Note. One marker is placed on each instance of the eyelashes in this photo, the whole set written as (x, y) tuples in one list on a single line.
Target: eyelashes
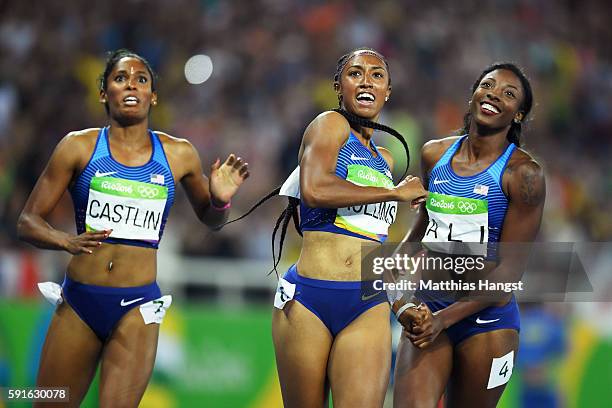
[(356, 73), (121, 77), (488, 85)]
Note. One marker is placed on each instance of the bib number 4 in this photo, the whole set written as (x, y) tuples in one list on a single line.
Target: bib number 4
[(501, 370)]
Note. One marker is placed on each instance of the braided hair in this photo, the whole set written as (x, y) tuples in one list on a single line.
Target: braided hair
[(291, 211), (282, 222), (514, 133)]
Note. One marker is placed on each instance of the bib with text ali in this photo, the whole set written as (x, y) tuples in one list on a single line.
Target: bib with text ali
[(457, 225)]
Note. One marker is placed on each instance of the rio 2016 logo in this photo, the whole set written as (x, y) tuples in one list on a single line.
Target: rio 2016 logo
[(467, 207), (122, 188), (148, 192)]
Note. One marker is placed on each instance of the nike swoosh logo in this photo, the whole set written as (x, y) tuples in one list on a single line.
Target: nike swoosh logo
[(124, 303), (366, 298), (353, 157), (98, 174), (436, 181), (480, 321)]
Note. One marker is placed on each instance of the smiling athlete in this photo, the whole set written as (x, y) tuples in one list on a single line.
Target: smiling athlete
[(122, 180), (484, 190)]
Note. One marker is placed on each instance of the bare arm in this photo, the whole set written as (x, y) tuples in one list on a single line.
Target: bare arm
[(319, 185), (430, 154), (209, 198), (55, 178), (410, 244)]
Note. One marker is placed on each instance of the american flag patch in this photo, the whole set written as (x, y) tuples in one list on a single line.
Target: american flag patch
[(157, 178), (481, 189)]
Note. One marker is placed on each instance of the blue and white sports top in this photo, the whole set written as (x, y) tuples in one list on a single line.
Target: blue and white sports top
[(466, 214), (370, 221), (133, 201)]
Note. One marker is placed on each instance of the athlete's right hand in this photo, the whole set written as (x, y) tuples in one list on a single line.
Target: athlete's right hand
[(85, 242), (424, 334), (412, 317), (411, 190)]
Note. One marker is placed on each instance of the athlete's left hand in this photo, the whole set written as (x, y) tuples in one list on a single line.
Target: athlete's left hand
[(226, 178), (425, 334)]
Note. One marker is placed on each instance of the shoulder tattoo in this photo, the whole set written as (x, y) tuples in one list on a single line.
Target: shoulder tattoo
[(531, 184)]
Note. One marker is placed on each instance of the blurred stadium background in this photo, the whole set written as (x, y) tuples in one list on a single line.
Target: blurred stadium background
[(272, 64)]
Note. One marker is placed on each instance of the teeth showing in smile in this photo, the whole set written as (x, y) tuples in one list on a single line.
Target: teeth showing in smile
[(130, 100), (365, 96), (490, 107)]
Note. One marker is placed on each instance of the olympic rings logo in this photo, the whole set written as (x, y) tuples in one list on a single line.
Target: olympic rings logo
[(148, 192), (467, 207)]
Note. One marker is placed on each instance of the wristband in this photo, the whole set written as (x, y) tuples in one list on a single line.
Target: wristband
[(403, 309), (225, 207)]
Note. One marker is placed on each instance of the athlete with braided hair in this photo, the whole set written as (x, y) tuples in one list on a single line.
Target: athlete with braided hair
[(328, 332), (483, 190)]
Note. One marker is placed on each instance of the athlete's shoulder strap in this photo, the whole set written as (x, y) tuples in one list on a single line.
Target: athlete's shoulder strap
[(101, 149), (352, 138), (450, 152), (159, 155), (497, 169)]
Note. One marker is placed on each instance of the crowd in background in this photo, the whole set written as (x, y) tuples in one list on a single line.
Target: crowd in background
[(273, 64)]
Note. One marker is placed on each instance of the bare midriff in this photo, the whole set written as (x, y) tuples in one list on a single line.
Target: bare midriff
[(115, 265), (329, 256)]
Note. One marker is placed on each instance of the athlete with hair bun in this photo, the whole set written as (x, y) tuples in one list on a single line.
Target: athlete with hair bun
[(327, 331), (122, 180), (484, 191)]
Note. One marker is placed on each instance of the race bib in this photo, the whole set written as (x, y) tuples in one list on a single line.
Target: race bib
[(285, 291), (291, 186), (155, 310), (52, 292), (501, 370), (371, 220), (132, 209), (457, 225)]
